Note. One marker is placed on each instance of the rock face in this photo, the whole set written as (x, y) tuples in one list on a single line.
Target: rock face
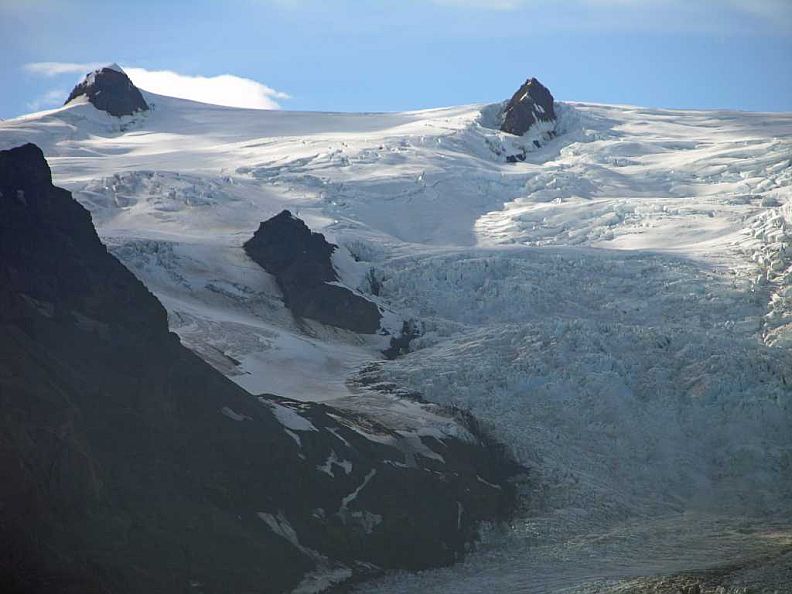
[(110, 90), (300, 261), (400, 344), (531, 103), (129, 465)]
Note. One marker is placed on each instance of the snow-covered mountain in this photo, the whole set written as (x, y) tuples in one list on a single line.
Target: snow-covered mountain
[(610, 294)]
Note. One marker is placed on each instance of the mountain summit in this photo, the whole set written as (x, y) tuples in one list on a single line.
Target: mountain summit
[(111, 90), (532, 103)]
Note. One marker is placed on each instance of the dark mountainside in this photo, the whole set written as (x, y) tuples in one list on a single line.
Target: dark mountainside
[(299, 259), (531, 103), (110, 90), (131, 466)]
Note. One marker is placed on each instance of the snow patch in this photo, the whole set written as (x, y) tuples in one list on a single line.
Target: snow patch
[(288, 417), (353, 495), (333, 460)]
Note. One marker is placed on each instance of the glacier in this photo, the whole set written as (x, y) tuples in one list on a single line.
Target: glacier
[(616, 308)]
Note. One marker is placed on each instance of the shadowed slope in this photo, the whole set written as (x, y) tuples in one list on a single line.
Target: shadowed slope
[(129, 465)]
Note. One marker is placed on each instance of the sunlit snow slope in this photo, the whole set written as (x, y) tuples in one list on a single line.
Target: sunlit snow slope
[(617, 308)]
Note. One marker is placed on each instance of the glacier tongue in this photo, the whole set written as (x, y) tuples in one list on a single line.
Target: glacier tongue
[(616, 307)]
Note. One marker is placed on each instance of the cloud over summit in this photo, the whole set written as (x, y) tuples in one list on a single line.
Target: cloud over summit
[(225, 89)]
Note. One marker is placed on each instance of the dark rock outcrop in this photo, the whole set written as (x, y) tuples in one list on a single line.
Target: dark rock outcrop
[(110, 90), (129, 465), (531, 103), (300, 261), (400, 345)]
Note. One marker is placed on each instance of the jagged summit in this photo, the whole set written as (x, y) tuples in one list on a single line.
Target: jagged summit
[(110, 89), (23, 167), (532, 103), (300, 261)]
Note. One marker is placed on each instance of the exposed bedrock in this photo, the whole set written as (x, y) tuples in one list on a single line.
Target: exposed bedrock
[(110, 90), (129, 465), (532, 103), (300, 260)]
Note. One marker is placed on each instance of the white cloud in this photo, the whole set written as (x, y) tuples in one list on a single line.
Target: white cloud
[(766, 7), (778, 11), (706, 16), (58, 68), (50, 99), (225, 89)]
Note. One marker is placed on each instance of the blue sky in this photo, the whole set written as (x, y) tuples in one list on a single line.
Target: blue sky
[(383, 55)]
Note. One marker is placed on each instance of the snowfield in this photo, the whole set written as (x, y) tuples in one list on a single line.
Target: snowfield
[(617, 308)]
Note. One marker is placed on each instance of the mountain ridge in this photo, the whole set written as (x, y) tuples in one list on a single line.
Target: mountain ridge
[(132, 466), (614, 306)]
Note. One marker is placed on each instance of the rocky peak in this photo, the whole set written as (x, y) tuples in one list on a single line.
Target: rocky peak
[(290, 245), (532, 103), (52, 255), (119, 444), (23, 168), (300, 261), (110, 89)]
